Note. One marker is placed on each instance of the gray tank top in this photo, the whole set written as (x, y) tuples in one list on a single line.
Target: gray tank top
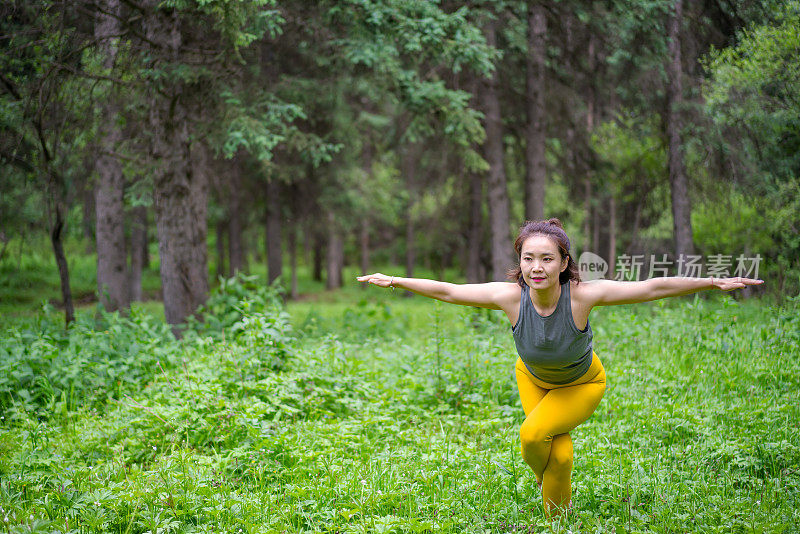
[(552, 347)]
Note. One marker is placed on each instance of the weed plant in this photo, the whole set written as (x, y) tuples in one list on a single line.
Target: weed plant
[(387, 414)]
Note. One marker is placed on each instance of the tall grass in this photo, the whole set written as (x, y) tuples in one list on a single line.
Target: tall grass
[(378, 413)]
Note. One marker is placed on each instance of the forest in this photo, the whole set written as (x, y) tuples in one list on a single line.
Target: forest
[(189, 188), (229, 134)]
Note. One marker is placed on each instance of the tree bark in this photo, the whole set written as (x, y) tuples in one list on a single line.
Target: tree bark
[(591, 230), (113, 281), (317, 252), (293, 292), (56, 238), (88, 221), (612, 234), (138, 247), (363, 238), (222, 232), (535, 171), (234, 219), (4, 240), (681, 209), (500, 238), (335, 254), (587, 209), (596, 226), (274, 252), (180, 189)]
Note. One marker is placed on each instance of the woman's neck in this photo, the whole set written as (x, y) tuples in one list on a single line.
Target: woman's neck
[(546, 299)]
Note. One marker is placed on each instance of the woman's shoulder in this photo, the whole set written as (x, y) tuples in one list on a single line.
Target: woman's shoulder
[(584, 291), (507, 292)]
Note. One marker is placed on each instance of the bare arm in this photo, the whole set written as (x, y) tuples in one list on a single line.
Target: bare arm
[(492, 295), (610, 292)]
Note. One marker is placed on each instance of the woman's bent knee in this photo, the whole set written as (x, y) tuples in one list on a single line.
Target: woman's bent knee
[(531, 434)]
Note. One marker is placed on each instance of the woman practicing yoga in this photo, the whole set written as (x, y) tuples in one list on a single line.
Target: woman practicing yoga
[(561, 380)]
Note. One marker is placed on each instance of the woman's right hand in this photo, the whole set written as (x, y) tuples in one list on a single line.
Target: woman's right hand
[(380, 280)]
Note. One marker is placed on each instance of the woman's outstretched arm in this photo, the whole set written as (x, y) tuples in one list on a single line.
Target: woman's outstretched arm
[(610, 292), (492, 295)]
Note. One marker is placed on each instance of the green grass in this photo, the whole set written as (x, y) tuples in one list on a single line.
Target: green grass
[(363, 411)]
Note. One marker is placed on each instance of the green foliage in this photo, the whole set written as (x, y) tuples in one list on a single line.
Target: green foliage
[(415, 429), (753, 96), (259, 122), (632, 163), (755, 88), (48, 372), (398, 41), (237, 305), (731, 222)]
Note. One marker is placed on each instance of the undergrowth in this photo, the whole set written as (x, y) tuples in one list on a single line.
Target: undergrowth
[(391, 415)]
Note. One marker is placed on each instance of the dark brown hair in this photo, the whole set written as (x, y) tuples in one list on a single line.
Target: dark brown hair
[(553, 229)]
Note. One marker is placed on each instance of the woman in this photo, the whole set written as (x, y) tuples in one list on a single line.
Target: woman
[(560, 378)]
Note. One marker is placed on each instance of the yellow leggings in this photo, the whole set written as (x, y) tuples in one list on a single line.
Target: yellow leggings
[(551, 412)]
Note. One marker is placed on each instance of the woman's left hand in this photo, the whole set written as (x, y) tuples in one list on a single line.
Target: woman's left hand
[(380, 280), (729, 284)]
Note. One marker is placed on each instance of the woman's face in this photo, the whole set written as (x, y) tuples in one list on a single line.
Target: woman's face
[(541, 262)]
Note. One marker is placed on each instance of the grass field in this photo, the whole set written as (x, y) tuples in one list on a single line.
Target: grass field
[(363, 411)]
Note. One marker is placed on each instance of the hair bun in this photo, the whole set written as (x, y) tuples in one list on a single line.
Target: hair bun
[(555, 222)]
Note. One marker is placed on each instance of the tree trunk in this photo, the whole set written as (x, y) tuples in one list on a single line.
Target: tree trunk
[(222, 232), (4, 240), (113, 282), (274, 253), (587, 210), (535, 171), (180, 189), (612, 234), (318, 248), (88, 221), (138, 247), (180, 198), (411, 251), (234, 219), (586, 167), (596, 227), (335, 254), (474, 235), (56, 235), (293, 293), (681, 209), (364, 242), (500, 235), (363, 238)]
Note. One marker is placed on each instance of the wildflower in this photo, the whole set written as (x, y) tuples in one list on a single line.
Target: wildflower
[(363, 482)]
